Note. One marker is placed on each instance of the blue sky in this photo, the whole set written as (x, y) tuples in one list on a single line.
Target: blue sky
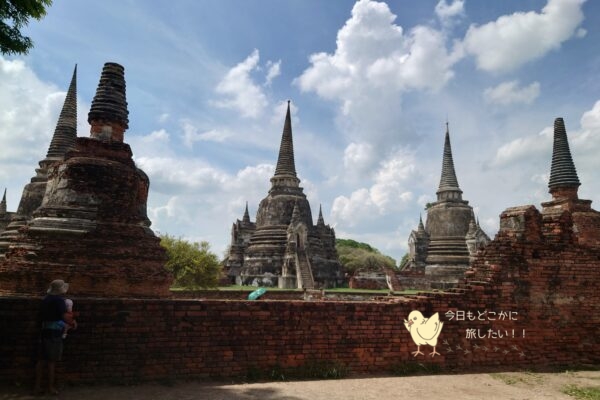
[(371, 84)]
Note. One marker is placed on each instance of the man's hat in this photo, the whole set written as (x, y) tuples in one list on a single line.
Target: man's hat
[(58, 286)]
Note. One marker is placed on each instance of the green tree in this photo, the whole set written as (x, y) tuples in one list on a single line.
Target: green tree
[(15, 15), (192, 264), (354, 255)]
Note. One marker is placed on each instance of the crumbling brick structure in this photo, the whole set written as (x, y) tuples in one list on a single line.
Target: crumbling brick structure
[(91, 228)]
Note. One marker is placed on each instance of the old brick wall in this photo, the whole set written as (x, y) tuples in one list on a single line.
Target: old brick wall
[(134, 340), (531, 300)]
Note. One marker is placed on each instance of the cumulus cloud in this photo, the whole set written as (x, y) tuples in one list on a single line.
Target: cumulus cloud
[(274, 70), (240, 91), (524, 148), (448, 13), (508, 93), (191, 134), (513, 40), (388, 193), (359, 158), (374, 62), (160, 135)]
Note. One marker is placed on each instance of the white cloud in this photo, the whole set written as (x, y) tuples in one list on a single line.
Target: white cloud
[(160, 135), (447, 13), (373, 64), (274, 70), (359, 158), (388, 193), (524, 148), (191, 134), (508, 93), (513, 40), (241, 92)]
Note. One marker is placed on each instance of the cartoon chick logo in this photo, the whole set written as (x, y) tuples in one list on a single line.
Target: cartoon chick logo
[(424, 331)]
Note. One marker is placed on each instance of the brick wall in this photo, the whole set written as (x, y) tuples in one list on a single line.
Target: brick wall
[(531, 300)]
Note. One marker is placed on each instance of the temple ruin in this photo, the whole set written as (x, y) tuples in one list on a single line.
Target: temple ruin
[(283, 247), (440, 250), (91, 227), (63, 140)]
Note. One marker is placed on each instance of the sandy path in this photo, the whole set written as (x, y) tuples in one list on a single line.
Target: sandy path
[(514, 386)]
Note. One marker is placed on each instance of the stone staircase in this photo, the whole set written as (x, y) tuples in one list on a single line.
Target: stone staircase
[(304, 271)]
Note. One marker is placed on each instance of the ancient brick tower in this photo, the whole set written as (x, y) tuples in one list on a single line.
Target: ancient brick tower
[(546, 258), (91, 228), (284, 248), (443, 246), (63, 139)]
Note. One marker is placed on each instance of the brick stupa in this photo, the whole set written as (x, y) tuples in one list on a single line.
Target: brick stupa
[(91, 228), (441, 249), (284, 247)]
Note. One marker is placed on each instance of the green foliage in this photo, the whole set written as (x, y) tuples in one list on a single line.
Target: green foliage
[(582, 393), (354, 255), (355, 245), (192, 264), (15, 15)]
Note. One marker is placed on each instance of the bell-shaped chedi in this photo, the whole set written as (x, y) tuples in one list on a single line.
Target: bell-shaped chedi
[(442, 248), (284, 247), (91, 229), (63, 140)]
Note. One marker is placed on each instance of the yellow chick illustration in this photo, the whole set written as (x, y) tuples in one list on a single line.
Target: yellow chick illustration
[(424, 331)]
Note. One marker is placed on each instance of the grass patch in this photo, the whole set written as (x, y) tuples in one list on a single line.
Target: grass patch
[(582, 393), (523, 377)]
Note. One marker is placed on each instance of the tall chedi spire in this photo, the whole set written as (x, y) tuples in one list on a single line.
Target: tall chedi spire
[(563, 175), (448, 189), (320, 220), (246, 218), (65, 132), (285, 172), (3, 204)]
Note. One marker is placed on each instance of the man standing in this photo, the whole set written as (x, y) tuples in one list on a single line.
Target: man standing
[(51, 316)]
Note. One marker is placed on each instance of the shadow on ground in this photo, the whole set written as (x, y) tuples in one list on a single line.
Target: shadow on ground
[(178, 392)]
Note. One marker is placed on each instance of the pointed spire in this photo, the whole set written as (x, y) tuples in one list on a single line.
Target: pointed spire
[(320, 220), (246, 218), (448, 188), (562, 171), (285, 161), (3, 203), (108, 114), (421, 227), (65, 132)]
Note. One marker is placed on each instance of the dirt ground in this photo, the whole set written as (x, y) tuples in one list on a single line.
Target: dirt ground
[(506, 385)]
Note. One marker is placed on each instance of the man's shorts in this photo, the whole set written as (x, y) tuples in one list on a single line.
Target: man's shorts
[(52, 348)]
